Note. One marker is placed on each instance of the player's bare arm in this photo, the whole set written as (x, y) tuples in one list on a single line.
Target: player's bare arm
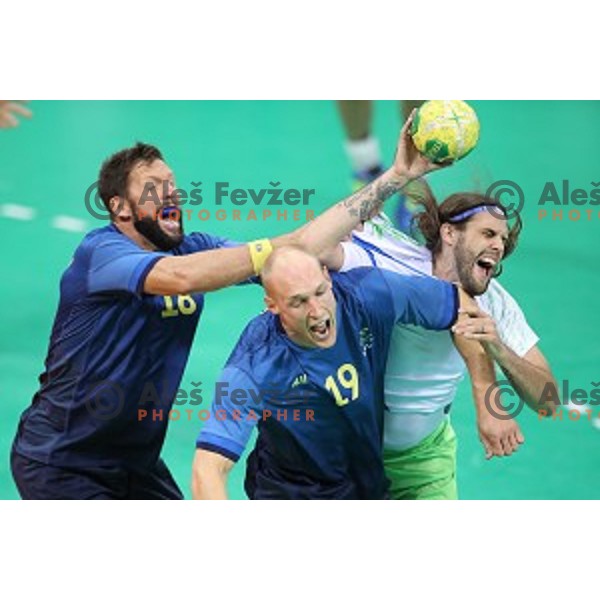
[(209, 475), (530, 375), (207, 271), (500, 437)]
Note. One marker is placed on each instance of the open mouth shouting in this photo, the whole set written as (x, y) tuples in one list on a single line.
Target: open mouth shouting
[(322, 331), (484, 268), (169, 220)]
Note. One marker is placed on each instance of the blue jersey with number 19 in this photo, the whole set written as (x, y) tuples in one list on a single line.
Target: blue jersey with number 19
[(320, 411), (114, 351)]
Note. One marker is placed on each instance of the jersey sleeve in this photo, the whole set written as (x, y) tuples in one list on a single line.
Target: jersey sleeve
[(197, 242), (421, 300), (513, 328), (118, 265), (233, 415), (356, 256)]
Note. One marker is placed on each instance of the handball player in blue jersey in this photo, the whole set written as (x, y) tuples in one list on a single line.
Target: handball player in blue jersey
[(129, 305), (309, 373)]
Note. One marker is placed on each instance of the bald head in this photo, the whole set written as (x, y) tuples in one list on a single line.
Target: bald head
[(288, 265), (298, 289)]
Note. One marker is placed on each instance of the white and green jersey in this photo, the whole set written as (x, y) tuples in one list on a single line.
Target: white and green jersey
[(424, 368)]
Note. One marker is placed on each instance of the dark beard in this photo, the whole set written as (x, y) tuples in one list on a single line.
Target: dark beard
[(465, 261), (150, 229)]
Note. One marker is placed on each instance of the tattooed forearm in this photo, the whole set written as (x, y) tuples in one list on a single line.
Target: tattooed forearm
[(368, 201), (331, 227)]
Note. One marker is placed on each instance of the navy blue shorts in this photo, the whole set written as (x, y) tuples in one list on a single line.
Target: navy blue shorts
[(38, 481)]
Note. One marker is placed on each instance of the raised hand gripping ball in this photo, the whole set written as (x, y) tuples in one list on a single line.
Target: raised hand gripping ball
[(445, 130)]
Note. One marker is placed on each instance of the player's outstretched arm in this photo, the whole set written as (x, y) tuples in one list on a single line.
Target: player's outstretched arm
[(200, 271), (207, 271), (209, 475)]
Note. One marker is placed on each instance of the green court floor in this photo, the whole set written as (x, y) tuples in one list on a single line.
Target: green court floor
[(47, 164)]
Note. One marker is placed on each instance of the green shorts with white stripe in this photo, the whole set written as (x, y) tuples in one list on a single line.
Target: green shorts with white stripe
[(426, 471)]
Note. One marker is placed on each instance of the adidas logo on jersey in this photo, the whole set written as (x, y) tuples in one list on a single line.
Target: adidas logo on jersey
[(300, 380)]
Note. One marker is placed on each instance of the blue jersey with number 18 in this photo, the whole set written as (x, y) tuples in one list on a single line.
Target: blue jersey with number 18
[(319, 411), (114, 351)]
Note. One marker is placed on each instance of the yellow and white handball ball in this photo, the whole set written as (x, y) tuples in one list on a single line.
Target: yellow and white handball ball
[(445, 130)]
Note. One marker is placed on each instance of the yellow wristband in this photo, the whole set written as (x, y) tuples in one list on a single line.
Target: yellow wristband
[(260, 250)]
